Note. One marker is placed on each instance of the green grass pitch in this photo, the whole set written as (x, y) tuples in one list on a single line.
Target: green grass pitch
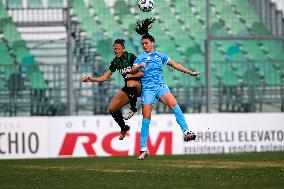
[(246, 170)]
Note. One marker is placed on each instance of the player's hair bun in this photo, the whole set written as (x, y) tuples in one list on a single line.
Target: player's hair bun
[(143, 27)]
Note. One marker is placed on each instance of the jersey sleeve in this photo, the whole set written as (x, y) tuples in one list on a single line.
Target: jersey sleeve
[(112, 67), (132, 58), (138, 61), (165, 58)]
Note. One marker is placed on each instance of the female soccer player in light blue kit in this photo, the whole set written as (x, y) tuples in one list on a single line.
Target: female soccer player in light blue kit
[(153, 85)]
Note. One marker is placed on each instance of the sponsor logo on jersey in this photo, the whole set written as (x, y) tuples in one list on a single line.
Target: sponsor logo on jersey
[(125, 70)]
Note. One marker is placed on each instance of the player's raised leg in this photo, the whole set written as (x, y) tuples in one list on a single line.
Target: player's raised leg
[(133, 90), (118, 101), (171, 102)]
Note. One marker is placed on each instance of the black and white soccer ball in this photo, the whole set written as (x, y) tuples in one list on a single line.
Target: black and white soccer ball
[(146, 5)]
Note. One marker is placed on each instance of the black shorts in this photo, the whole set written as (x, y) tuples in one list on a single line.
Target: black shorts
[(132, 79), (124, 89)]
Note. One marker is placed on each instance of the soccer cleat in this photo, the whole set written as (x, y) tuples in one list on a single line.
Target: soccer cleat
[(123, 132), (129, 115), (142, 155), (188, 136)]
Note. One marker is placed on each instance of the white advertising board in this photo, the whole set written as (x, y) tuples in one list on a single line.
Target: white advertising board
[(83, 136), (231, 133), (93, 136), (216, 133), (23, 138)]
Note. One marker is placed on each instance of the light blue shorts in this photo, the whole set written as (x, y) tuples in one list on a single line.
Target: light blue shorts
[(148, 96)]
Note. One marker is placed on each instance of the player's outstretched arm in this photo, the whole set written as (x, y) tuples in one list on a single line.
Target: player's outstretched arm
[(182, 69), (102, 78), (136, 68), (138, 74)]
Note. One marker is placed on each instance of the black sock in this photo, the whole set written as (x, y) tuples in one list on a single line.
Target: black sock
[(117, 116), (132, 95)]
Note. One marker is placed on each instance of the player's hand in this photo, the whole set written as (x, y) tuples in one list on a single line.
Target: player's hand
[(88, 79), (195, 73), (143, 65)]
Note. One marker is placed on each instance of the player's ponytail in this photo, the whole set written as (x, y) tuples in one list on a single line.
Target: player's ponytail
[(143, 27)]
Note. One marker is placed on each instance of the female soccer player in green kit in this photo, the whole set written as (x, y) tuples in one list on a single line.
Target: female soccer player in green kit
[(122, 62)]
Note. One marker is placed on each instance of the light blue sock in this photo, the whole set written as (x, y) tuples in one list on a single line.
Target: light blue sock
[(180, 118), (144, 133)]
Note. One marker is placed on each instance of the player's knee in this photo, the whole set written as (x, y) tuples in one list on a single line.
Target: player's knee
[(172, 105), (110, 110), (171, 102), (147, 115)]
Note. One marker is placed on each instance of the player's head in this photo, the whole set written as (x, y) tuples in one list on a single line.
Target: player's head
[(118, 47), (147, 43), (147, 40)]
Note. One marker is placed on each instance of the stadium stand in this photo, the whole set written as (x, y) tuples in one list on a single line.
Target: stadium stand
[(245, 73), (17, 62)]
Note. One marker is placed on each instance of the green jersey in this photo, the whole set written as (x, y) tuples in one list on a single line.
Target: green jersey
[(123, 64)]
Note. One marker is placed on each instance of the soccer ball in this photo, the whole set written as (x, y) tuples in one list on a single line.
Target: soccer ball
[(146, 5)]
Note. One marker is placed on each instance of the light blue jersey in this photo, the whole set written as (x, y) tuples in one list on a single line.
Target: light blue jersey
[(153, 84), (153, 72)]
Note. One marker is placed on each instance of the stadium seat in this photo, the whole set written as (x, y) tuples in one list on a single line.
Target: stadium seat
[(169, 21), (10, 30), (273, 78), (200, 6), (200, 67), (230, 79), (9, 70), (122, 10), (164, 43), (28, 60), (233, 51), (3, 13), (259, 29), (4, 54), (274, 49), (194, 54), (216, 54), (105, 49), (32, 69), (225, 10), (35, 4), (251, 78), (13, 38), (253, 51), (85, 18), (255, 90), (20, 50), (2, 85), (55, 3), (37, 81), (229, 92), (247, 12), (280, 65), (263, 67), (103, 13), (15, 4), (16, 83)]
